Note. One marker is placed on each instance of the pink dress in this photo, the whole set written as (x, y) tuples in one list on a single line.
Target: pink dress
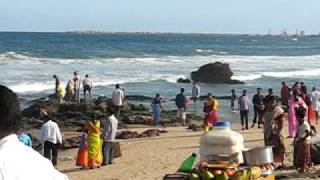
[(293, 122)]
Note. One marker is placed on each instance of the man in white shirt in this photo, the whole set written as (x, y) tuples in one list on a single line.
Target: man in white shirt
[(52, 139), (195, 92), (18, 161), (87, 86), (109, 135), (117, 99), (315, 102)]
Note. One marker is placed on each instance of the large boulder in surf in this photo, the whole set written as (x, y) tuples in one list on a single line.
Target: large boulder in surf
[(215, 73)]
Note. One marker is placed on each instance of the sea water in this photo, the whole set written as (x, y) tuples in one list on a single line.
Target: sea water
[(146, 64)]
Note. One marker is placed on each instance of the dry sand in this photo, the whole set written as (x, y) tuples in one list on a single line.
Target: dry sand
[(152, 158)]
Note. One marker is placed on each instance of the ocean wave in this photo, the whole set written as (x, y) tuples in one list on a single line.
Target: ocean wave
[(204, 50), (15, 56), (248, 77), (297, 73), (31, 87)]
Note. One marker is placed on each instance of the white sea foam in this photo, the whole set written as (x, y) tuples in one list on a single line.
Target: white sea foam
[(14, 56), (31, 87), (248, 77), (298, 73), (204, 50)]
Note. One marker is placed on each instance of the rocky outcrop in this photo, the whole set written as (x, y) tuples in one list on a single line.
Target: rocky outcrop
[(185, 81), (215, 73), (132, 134)]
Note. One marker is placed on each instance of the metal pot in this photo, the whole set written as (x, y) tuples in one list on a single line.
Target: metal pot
[(258, 156)]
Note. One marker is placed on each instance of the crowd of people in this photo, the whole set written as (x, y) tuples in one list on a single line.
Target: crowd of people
[(303, 110)]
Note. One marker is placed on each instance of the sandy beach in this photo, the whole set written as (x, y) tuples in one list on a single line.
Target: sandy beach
[(152, 158)]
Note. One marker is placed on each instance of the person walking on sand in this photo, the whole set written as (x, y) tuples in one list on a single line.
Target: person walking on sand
[(285, 95), (94, 143), (307, 100), (117, 99), (195, 94), (258, 107), (156, 108), (273, 129), (210, 108), (233, 99), (77, 87), (87, 86), (244, 109), (51, 137), (181, 103), (82, 157), (292, 119), (302, 142), (109, 135), (315, 102), (18, 161)]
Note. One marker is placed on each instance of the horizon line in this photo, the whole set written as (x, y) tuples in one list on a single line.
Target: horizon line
[(154, 32)]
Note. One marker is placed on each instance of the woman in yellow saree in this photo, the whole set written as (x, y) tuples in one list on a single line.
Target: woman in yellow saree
[(94, 144)]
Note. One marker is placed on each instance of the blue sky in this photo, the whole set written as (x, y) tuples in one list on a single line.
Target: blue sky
[(216, 16)]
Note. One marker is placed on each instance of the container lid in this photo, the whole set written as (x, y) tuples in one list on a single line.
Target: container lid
[(222, 124)]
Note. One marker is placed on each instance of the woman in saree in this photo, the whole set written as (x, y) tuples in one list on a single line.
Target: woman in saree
[(293, 123), (273, 129), (82, 158), (94, 144), (210, 109)]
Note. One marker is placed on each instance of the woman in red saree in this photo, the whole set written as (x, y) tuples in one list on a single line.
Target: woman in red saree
[(210, 108)]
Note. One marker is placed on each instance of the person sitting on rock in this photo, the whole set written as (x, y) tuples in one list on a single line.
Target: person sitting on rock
[(17, 161)]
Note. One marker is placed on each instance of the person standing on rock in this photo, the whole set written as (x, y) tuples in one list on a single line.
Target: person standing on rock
[(17, 161), (77, 87), (51, 137), (156, 108), (195, 94), (117, 99), (87, 86), (57, 82), (181, 103), (70, 91), (244, 109), (109, 135)]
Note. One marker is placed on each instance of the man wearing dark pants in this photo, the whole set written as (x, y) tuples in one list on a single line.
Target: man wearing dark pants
[(117, 99), (257, 101), (109, 135), (244, 109), (51, 136)]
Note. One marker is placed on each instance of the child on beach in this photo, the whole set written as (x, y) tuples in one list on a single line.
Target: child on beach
[(82, 158), (302, 141)]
